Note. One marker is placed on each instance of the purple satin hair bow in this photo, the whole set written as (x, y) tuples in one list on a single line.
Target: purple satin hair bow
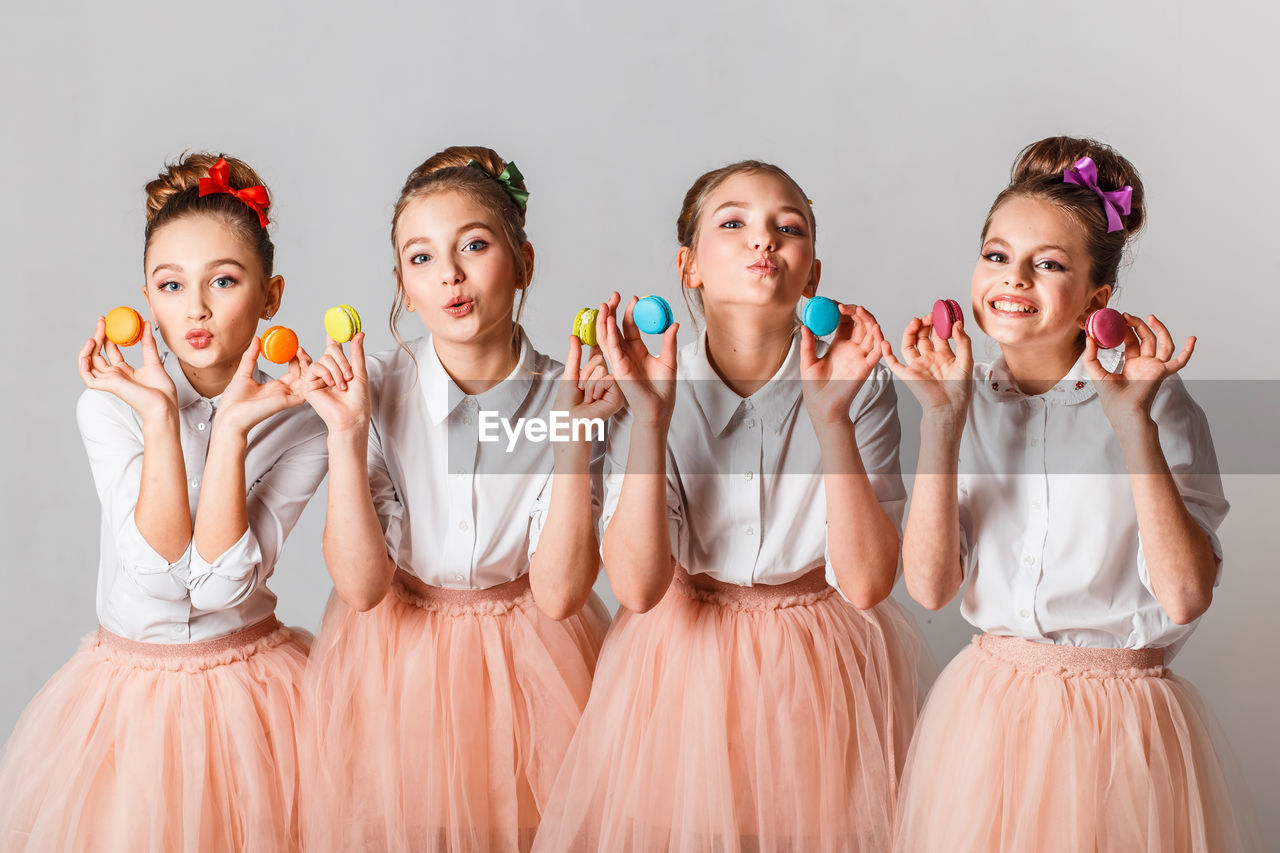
[(1115, 202)]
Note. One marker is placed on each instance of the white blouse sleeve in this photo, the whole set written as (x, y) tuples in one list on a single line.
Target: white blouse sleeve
[(113, 441), (617, 448), (538, 514), (878, 433), (274, 504), (1189, 452)]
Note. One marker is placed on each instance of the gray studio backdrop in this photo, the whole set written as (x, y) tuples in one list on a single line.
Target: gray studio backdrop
[(899, 122)]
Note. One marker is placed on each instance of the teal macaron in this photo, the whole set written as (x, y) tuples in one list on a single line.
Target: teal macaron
[(652, 315), (821, 315)]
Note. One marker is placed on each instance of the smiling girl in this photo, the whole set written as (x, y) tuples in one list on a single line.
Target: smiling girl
[(741, 702), (172, 727), (457, 652), (1077, 492)]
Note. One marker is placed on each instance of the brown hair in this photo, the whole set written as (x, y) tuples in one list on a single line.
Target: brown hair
[(1037, 173), (448, 171), (175, 194), (695, 199)]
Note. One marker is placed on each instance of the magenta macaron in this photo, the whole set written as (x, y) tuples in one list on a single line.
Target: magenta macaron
[(1107, 327), (946, 313)]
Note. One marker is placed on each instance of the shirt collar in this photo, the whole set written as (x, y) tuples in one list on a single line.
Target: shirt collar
[(1072, 389), (443, 396), (187, 394), (773, 401)]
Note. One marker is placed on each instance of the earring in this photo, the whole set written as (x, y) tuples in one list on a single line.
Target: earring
[(408, 305), (269, 316)]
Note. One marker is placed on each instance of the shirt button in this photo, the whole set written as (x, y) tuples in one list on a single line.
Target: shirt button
[(750, 423), (1024, 613), (1034, 442), (200, 427), (463, 526), (458, 578), (1028, 559), (748, 475), (469, 402), (749, 530), (195, 483), (467, 421), (1036, 503), (460, 472)]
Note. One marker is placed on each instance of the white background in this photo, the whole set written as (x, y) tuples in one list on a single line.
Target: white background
[(899, 122)]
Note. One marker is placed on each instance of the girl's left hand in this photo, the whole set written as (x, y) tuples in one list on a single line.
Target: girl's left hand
[(587, 390), (830, 383), (245, 403), (1127, 394)]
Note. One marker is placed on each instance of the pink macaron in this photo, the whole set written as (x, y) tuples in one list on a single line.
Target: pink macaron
[(1107, 327), (946, 313)]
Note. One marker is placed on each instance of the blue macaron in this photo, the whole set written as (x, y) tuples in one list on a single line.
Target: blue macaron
[(652, 315), (821, 315)]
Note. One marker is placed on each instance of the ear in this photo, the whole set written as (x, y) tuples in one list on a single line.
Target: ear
[(275, 292), (1097, 299), (687, 263), (811, 289), (526, 253)]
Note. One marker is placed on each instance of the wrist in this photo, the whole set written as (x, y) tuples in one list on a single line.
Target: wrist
[(347, 439), (159, 420)]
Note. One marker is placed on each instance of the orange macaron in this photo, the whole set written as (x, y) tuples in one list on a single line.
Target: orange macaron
[(124, 326), (279, 344)]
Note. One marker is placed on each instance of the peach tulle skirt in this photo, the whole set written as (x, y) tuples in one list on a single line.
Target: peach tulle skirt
[(149, 747), (741, 718), (1035, 747), (438, 719)]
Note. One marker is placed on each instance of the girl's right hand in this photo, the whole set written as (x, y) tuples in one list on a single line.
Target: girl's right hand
[(648, 382), (148, 390), (942, 381), (338, 388)]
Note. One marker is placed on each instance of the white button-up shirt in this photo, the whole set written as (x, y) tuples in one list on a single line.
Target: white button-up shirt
[(746, 502), (1048, 528), (459, 512), (143, 596)]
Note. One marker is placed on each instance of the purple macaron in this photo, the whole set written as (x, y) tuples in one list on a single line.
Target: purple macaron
[(1107, 327), (946, 313)]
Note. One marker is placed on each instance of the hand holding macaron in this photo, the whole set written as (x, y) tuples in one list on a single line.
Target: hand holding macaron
[(830, 382), (246, 402), (1127, 392), (647, 381), (939, 378), (337, 387), (147, 389)]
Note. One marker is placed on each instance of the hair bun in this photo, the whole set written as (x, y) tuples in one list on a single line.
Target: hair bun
[(184, 176), (1054, 155)]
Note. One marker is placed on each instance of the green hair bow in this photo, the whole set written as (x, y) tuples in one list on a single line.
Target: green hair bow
[(508, 180)]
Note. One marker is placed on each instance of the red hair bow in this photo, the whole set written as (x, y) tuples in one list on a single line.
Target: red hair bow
[(256, 197)]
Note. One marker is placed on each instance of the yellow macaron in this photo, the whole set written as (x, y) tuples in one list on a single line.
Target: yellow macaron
[(342, 322), (584, 326)]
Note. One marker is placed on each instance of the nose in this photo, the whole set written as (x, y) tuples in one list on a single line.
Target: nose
[(762, 238), (197, 305), (1018, 275), (450, 271)]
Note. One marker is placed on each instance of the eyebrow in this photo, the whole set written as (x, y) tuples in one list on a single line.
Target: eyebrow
[(219, 262), (797, 211), (413, 241), (1053, 246)]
